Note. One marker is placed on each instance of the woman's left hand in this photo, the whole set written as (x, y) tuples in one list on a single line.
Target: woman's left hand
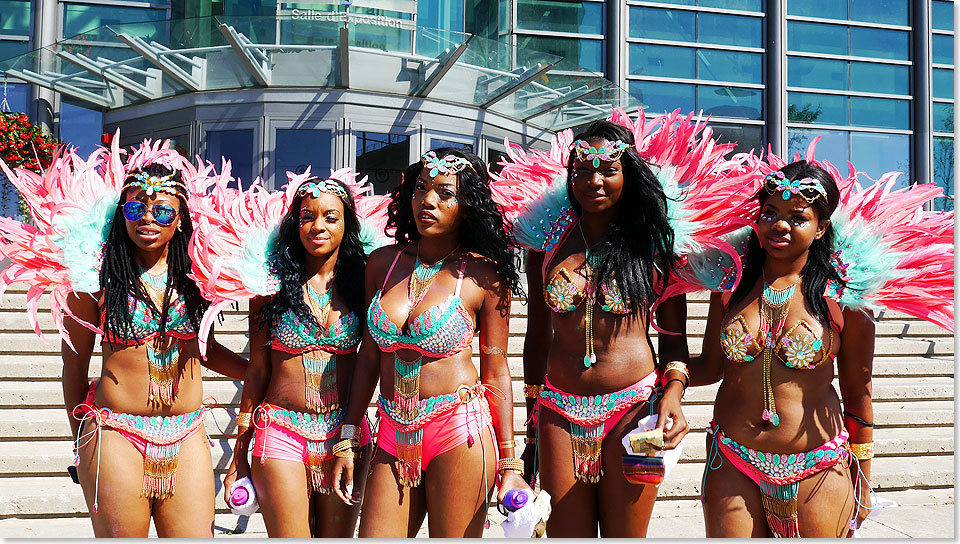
[(511, 480), (866, 503), (670, 409)]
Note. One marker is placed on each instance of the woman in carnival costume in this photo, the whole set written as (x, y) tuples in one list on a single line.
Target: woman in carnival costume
[(785, 458), (439, 438), (296, 255), (613, 217), (110, 242)]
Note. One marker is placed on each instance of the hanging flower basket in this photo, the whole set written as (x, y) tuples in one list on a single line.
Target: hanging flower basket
[(22, 145)]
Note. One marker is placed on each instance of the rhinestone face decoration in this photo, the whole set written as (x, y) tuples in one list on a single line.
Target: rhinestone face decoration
[(609, 152), (315, 186)]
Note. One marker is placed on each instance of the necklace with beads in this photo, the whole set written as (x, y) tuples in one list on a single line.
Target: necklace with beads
[(162, 360), (590, 357), (422, 278), (774, 306), (319, 367)]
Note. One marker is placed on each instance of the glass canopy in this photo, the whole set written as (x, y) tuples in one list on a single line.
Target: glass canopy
[(119, 65)]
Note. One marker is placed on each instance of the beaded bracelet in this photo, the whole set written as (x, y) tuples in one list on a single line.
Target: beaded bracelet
[(858, 419), (243, 419), (510, 463), (864, 452), (532, 391)]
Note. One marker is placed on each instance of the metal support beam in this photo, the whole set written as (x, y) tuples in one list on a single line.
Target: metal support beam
[(776, 118), (344, 57), (241, 46), (154, 56), (613, 40), (922, 103), (444, 63), (45, 29), (567, 98), (65, 88), (99, 68), (525, 77)]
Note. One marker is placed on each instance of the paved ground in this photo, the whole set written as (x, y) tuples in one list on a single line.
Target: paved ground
[(920, 514)]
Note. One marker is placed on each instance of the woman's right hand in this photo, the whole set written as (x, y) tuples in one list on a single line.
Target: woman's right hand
[(239, 469), (343, 479)]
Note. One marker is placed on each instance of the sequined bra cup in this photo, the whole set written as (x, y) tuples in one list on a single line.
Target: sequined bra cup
[(297, 336), (799, 347), (562, 294), (146, 323), (441, 331)]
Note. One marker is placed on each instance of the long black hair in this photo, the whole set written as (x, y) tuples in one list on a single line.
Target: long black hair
[(482, 230), (120, 273), (640, 237), (289, 256), (818, 269)]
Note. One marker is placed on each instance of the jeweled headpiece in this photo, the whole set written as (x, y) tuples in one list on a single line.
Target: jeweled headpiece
[(809, 188), (609, 152), (315, 186), (449, 165), (151, 183)]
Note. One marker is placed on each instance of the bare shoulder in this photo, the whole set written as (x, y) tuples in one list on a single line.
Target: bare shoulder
[(483, 270), (381, 258)]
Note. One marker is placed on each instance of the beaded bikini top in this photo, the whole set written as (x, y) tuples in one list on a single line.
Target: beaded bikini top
[(800, 346), (146, 322), (563, 295), (294, 335), (441, 331)]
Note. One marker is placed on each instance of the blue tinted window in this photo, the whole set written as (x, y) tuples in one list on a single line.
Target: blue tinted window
[(879, 43), (15, 18), (660, 97), (888, 12), (296, 149), (730, 102), (446, 14), (943, 172), (942, 15), (879, 112), (80, 127), (942, 117), (942, 83), (730, 30), (437, 143), (823, 109), (877, 154), (833, 147), (237, 147), (747, 137), (817, 38), (10, 49), (942, 49), (663, 24), (680, 2), (733, 66), (79, 18), (662, 61), (586, 53), (743, 5), (817, 73), (18, 96), (821, 9), (879, 78), (558, 16)]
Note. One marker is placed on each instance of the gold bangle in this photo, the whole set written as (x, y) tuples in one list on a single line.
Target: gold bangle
[(864, 452), (510, 463), (344, 448), (243, 419), (532, 391), (679, 366), (530, 440), (506, 444)]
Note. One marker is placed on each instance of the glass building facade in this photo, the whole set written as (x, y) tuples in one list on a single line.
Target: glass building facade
[(872, 78)]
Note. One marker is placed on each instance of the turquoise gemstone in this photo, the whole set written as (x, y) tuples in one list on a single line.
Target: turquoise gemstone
[(610, 405), (792, 458), (586, 361), (776, 458), (810, 463), (775, 419), (818, 344), (596, 400), (809, 454), (819, 454)]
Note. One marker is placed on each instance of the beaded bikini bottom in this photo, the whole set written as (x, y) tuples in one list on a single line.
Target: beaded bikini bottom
[(322, 432)]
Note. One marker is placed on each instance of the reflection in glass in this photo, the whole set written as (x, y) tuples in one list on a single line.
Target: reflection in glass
[(816, 38), (296, 149), (833, 147), (879, 78), (823, 109), (817, 73), (888, 12), (16, 17), (437, 143), (237, 147), (17, 96), (942, 117), (586, 53), (663, 24), (942, 83), (494, 156), (943, 170), (818, 8), (879, 43), (11, 48), (879, 112), (747, 137), (743, 5), (942, 49), (877, 154), (941, 15), (80, 18), (81, 127), (662, 61), (559, 16), (445, 14), (659, 97), (730, 102), (729, 30), (732, 66), (382, 158)]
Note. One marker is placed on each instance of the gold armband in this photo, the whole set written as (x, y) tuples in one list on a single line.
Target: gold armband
[(510, 463), (344, 448), (530, 440), (506, 444), (532, 391), (679, 367), (863, 452), (243, 419)]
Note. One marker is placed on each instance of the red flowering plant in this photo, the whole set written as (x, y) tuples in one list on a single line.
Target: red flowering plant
[(22, 145)]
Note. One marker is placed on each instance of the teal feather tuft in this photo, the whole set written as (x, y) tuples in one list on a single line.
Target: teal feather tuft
[(540, 225), (253, 263), (371, 238), (82, 236)]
